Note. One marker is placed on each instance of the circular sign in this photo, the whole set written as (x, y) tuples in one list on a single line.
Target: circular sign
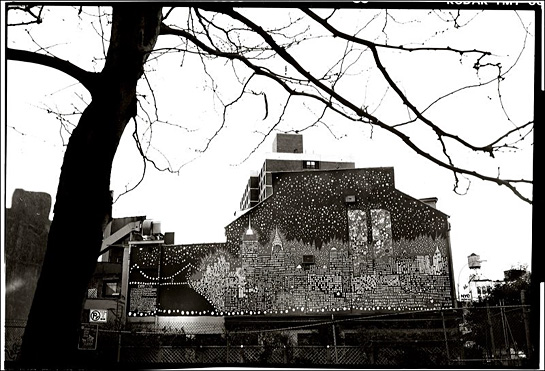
[(98, 315), (95, 315)]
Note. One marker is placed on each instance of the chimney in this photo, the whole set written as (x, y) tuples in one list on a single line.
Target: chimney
[(169, 238)]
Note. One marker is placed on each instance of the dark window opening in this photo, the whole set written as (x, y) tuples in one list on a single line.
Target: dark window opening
[(111, 288), (308, 260)]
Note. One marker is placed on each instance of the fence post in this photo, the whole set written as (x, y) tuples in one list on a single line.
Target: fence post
[(227, 350), (334, 340), (372, 353), (160, 354), (119, 346), (445, 334), (493, 345), (504, 329), (526, 323)]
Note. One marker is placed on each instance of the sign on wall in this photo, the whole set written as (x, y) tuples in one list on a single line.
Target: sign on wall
[(88, 336), (98, 315), (143, 279)]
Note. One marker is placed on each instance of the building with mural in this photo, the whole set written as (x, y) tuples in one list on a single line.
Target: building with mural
[(324, 241), (318, 260)]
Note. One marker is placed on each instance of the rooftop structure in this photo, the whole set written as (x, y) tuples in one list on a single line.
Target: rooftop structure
[(288, 155)]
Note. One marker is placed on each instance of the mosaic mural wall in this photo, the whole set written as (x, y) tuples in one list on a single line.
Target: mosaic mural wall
[(305, 250)]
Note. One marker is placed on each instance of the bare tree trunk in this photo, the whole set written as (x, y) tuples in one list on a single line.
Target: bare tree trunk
[(83, 201)]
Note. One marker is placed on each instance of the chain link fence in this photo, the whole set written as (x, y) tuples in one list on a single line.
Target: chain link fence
[(13, 334), (498, 335), (476, 336)]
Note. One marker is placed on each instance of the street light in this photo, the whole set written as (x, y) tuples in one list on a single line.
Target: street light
[(458, 283)]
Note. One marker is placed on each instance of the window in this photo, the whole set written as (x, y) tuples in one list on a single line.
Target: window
[(311, 165), (382, 232), (92, 293), (116, 256), (111, 288), (308, 260)]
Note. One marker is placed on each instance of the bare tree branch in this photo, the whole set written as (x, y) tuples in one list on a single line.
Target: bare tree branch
[(345, 102), (35, 17), (86, 78), (393, 85), (205, 36)]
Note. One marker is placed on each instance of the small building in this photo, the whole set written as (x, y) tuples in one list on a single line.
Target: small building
[(480, 287), (26, 229), (109, 300)]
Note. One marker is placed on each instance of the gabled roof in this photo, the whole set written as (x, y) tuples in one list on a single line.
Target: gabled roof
[(310, 205)]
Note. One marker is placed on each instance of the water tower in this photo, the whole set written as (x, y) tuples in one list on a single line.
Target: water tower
[(474, 261), (478, 285)]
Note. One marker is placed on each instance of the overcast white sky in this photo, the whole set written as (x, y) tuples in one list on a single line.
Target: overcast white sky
[(196, 204)]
